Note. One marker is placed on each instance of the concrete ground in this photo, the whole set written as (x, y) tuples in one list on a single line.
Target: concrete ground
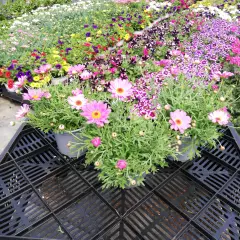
[(8, 110)]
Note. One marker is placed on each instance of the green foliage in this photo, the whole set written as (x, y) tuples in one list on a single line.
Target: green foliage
[(48, 114), (19, 7), (144, 144), (197, 101)]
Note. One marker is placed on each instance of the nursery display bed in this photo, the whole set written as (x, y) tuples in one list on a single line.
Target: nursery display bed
[(44, 195)]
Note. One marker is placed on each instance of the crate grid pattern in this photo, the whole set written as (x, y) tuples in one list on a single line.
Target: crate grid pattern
[(44, 195)]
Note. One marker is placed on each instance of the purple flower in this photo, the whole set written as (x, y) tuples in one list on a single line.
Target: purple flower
[(94, 26), (60, 42), (11, 67), (68, 50), (88, 34), (58, 66), (85, 26)]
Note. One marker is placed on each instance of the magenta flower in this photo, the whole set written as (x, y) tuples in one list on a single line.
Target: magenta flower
[(145, 52), (180, 121), (96, 141), (220, 116), (96, 112), (23, 111), (163, 62), (121, 164), (215, 87), (33, 94), (120, 88), (76, 92)]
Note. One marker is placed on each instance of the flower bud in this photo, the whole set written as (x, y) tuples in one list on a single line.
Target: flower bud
[(133, 182), (99, 88), (179, 142), (97, 163), (141, 133), (193, 124), (222, 99), (61, 127), (167, 107), (51, 124), (114, 134), (177, 137), (222, 148)]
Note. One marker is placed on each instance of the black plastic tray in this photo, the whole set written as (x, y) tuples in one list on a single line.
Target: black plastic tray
[(44, 195)]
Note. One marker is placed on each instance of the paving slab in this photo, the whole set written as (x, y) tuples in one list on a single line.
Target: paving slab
[(8, 111)]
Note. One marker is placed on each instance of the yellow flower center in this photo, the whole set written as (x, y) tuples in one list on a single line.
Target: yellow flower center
[(178, 122), (35, 96), (120, 90), (96, 114), (78, 103)]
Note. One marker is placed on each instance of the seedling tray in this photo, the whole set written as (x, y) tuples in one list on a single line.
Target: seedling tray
[(45, 195)]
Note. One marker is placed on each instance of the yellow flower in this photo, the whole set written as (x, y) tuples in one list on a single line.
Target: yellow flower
[(55, 52), (65, 68), (88, 39), (35, 85), (127, 37), (146, 10), (47, 79), (142, 26), (99, 32), (73, 35), (36, 78)]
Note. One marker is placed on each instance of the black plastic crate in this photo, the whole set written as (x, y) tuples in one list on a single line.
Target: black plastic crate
[(232, 191), (231, 154), (61, 188), (87, 217), (44, 195), (220, 220), (11, 180), (27, 142), (192, 233), (211, 174), (155, 220), (121, 232), (185, 194), (50, 229), (21, 212), (123, 200), (40, 164)]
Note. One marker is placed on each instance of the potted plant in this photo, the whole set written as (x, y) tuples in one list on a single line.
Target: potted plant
[(195, 112), (56, 108), (124, 147)]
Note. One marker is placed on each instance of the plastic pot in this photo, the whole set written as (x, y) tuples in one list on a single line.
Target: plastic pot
[(63, 140), (185, 148)]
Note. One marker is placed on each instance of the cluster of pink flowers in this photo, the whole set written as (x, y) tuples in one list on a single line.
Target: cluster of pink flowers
[(235, 60), (35, 95)]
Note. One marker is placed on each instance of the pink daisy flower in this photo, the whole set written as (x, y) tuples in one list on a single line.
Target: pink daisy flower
[(96, 112), (34, 94), (21, 81), (120, 88), (220, 116), (43, 69), (77, 102), (180, 121), (23, 111), (76, 92), (77, 69), (85, 75)]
